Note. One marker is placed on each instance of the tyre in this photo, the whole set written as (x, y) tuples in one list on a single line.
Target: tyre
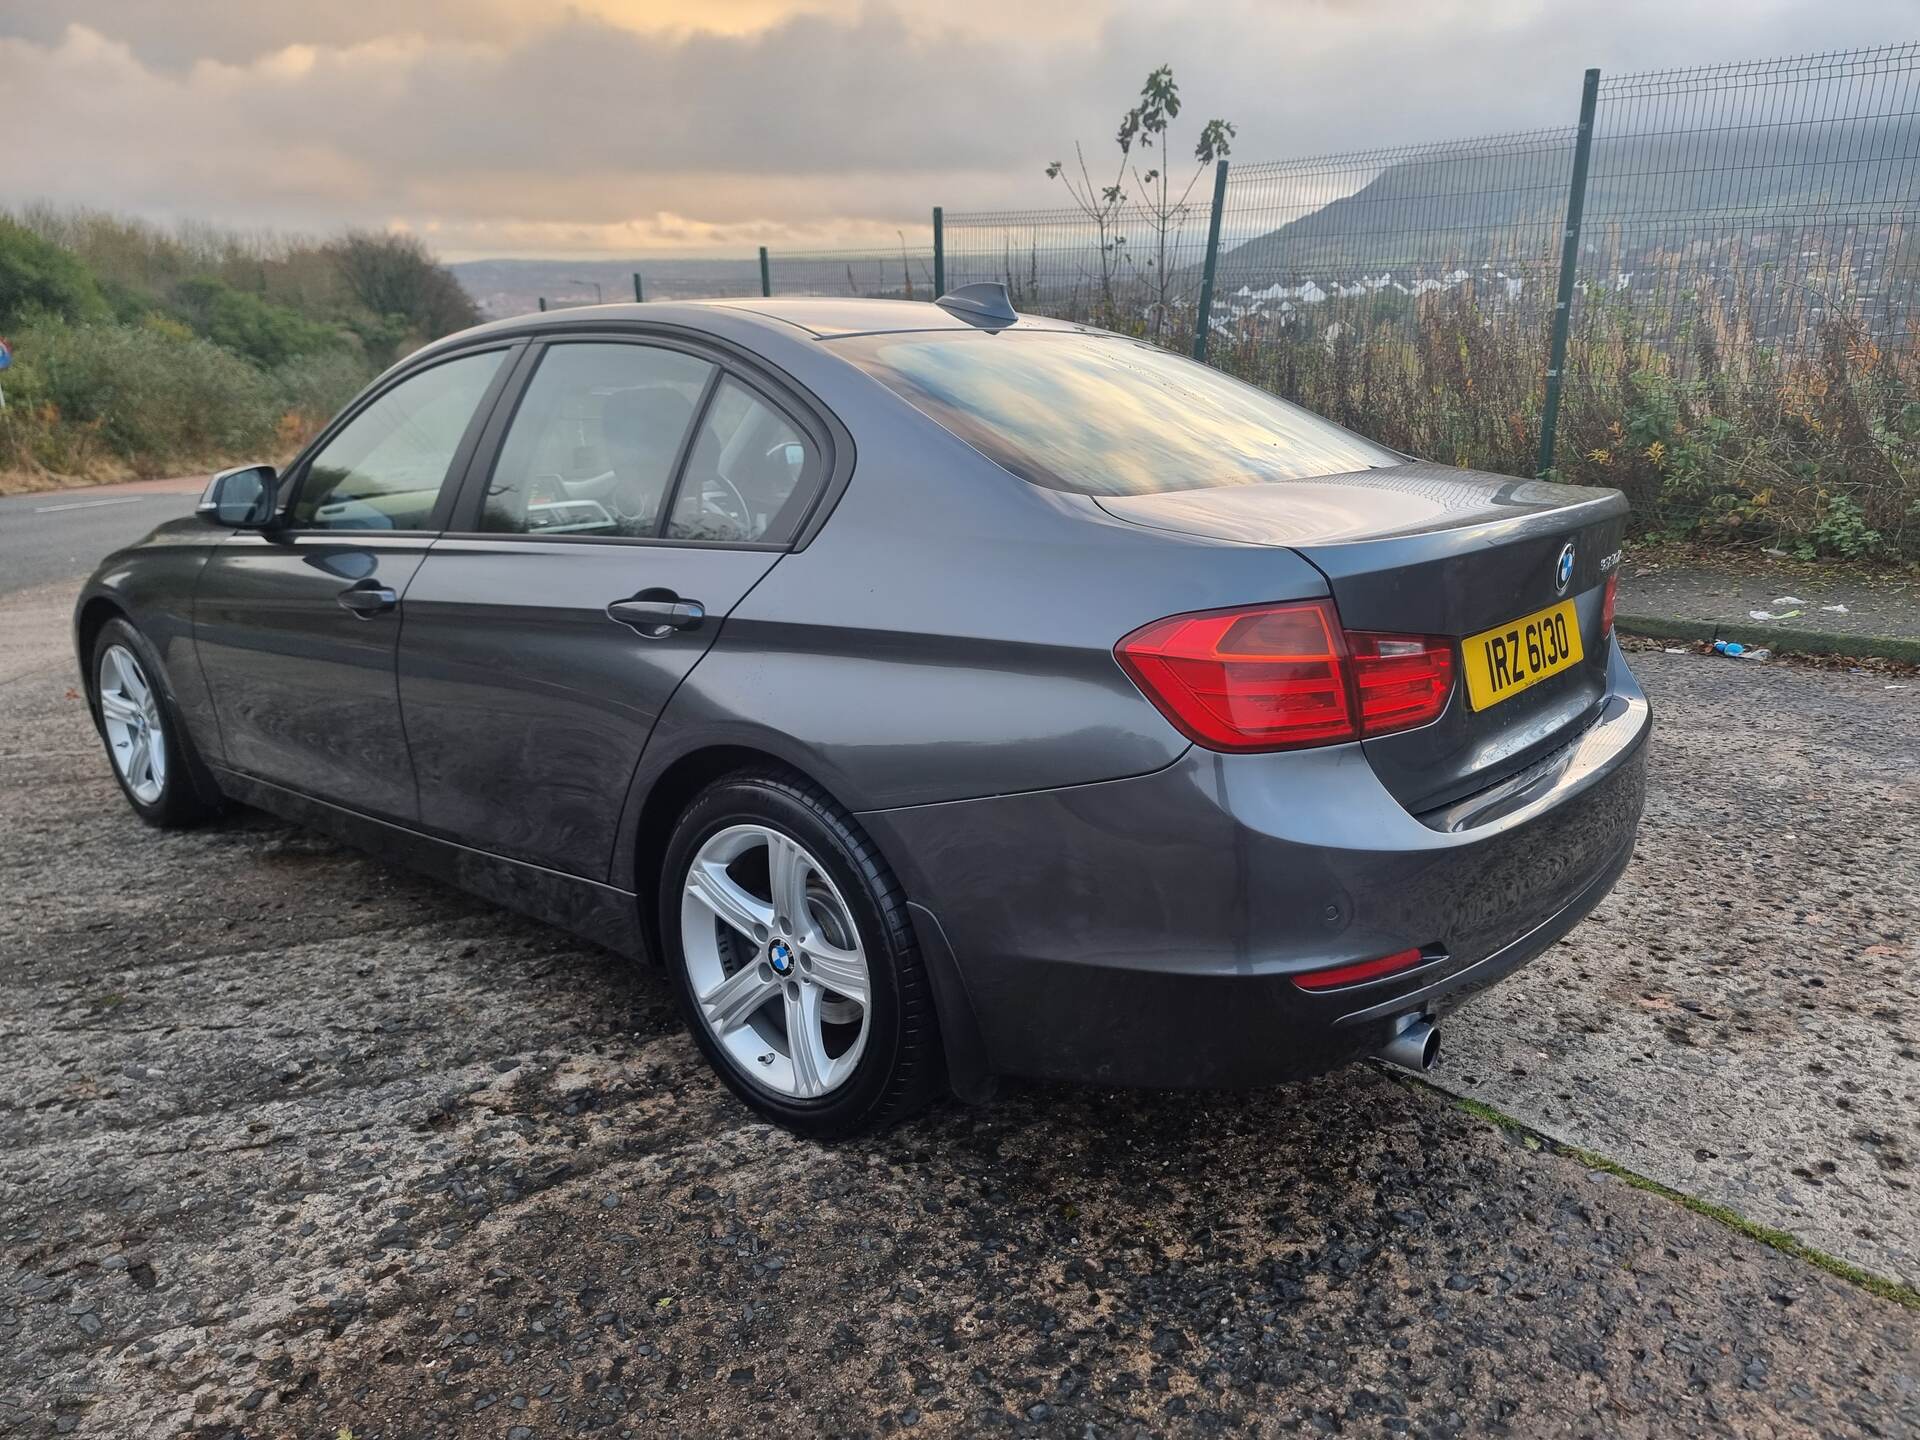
[(789, 943), (146, 743)]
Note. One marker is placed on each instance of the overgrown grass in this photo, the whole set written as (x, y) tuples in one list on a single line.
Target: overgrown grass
[(1808, 443)]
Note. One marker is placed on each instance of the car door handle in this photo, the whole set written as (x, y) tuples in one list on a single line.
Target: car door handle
[(658, 613), (367, 597)]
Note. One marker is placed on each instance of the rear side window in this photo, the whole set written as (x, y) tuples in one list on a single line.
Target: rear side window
[(1100, 415), (749, 476)]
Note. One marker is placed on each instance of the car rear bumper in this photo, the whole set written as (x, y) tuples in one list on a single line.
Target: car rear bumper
[(1147, 931)]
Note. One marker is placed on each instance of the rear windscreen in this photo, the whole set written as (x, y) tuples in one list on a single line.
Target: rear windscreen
[(1101, 415)]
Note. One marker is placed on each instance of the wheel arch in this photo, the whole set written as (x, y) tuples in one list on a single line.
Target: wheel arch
[(91, 618)]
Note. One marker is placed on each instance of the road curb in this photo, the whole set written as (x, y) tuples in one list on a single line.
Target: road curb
[(1780, 638)]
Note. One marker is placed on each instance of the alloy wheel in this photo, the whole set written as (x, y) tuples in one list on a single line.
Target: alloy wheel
[(774, 960), (130, 710)]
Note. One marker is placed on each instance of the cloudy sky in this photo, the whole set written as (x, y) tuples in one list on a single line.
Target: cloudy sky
[(623, 127)]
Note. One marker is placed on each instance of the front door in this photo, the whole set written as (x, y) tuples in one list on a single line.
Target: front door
[(297, 626), (639, 493)]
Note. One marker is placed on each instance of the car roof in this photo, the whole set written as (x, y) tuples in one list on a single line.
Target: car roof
[(828, 316), (823, 317)]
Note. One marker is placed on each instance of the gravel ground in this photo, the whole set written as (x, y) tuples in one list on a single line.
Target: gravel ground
[(291, 1141), (1741, 1018)]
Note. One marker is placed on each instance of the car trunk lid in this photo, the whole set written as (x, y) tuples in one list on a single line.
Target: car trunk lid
[(1430, 550)]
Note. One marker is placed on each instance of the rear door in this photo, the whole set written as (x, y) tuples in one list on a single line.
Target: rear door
[(615, 514), (297, 627)]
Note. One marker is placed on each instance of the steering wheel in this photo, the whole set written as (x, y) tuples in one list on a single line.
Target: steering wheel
[(741, 516), (617, 496)]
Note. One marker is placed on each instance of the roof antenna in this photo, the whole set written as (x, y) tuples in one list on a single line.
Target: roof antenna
[(985, 304)]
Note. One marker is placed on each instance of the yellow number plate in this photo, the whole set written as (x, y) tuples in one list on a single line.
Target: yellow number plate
[(1504, 661)]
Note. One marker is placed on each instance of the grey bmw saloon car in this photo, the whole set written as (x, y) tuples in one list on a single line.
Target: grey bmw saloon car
[(936, 693)]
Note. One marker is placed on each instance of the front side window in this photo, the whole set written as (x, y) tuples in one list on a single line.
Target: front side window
[(385, 467), (593, 445), (1101, 415), (748, 476)]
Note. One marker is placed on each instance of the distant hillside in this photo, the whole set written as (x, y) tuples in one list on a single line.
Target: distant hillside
[(1480, 203)]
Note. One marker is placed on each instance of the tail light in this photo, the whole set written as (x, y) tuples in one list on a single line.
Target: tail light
[(1280, 677), (1606, 603), (1402, 680)]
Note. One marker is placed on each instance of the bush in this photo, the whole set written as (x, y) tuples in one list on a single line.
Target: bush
[(150, 349), (39, 278), (396, 276), (154, 397), (265, 333), (315, 388), (141, 394)]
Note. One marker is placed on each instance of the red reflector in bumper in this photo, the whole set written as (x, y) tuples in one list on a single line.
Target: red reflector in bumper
[(1361, 970)]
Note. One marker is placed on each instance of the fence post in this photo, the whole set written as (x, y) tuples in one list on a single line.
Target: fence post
[(939, 256), (639, 291), (1569, 265), (543, 303), (766, 274), (1203, 321)]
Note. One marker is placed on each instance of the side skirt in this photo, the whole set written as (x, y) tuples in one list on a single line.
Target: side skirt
[(600, 913)]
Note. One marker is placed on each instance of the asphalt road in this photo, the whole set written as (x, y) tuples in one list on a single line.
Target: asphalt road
[(292, 1141), (59, 533)]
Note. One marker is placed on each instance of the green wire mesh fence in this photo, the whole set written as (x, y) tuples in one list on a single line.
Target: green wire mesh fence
[(1743, 352), (1406, 293)]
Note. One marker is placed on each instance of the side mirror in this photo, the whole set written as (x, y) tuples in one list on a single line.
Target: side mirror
[(239, 499)]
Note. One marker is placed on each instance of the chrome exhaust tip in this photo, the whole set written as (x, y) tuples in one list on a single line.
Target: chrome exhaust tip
[(1415, 1044)]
